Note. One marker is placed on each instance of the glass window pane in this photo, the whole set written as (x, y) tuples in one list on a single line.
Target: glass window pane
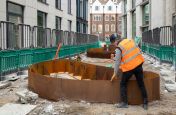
[(16, 9), (58, 23), (41, 19), (146, 14), (134, 24)]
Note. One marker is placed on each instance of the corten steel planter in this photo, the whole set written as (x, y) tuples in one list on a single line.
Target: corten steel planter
[(103, 52), (95, 85)]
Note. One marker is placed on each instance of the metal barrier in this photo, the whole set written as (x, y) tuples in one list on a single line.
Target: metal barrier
[(8, 35), (57, 37), (166, 36), (41, 37), (160, 43), (25, 36)]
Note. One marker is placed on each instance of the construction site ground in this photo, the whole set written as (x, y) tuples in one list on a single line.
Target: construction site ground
[(165, 106)]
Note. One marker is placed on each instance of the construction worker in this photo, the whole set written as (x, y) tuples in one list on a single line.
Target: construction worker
[(129, 59)]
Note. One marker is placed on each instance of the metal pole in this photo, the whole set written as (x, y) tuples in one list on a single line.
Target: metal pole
[(91, 19), (116, 20), (103, 25)]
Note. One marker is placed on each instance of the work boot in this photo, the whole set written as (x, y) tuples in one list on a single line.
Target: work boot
[(122, 105), (145, 106)]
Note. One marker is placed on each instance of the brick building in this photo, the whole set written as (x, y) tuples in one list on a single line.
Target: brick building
[(105, 17)]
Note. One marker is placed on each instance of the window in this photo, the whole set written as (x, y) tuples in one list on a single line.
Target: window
[(44, 1), (109, 8), (69, 6), (99, 28), (81, 8), (134, 24), (174, 20), (58, 23), (58, 4), (125, 26), (87, 10), (41, 19), (107, 27), (125, 6), (133, 3), (112, 28), (84, 28), (69, 25), (94, 28), (145, 17), (146, 14), (97, 18), (14, 13), (78, 26), (112, 17), (96, 8), (107, 18)]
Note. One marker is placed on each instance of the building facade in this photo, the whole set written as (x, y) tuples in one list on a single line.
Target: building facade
[(139, 16), (82, 16), (54, 14), (105, 17)]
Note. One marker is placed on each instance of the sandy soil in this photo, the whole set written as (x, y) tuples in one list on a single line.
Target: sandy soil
[(165, 106)]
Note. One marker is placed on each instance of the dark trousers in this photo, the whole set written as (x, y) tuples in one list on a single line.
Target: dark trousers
[(138, 72)]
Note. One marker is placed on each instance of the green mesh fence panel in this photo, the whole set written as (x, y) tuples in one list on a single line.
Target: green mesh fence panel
[(18, 59)]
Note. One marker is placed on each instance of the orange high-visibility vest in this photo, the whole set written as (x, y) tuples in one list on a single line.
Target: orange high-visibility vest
[(131, 55)]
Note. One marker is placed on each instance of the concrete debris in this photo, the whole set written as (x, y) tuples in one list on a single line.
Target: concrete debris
[(26, 96), (82, 101), (13, 78), (171, 87), (5, 84), (172, 68), (16, 109), (164, 72), (168, 80), (48, 110), (62, 108), (165, 91)]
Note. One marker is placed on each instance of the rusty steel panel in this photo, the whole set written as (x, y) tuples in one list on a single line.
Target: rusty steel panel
[(99, 53), (94, 86)]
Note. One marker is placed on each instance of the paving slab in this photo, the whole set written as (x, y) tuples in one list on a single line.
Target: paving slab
[(26, 96), (16, 109)]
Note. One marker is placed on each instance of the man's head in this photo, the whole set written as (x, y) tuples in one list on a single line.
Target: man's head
[(115, 38)]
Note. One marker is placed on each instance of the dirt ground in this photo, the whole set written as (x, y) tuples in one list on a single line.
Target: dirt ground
[(165, 106)]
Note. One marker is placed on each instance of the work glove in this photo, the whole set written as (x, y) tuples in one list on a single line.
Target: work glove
[(112, 56)]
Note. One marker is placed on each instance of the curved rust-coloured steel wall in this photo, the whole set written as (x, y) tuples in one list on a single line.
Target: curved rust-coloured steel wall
[(100, 53), (95, 85)]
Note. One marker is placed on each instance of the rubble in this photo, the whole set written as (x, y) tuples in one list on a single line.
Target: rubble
[(16, 109), (5, 84), (168, 80), (48, 110), (171, 87), (13, 78), (172, 68), (164, 72), (26, 96)]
